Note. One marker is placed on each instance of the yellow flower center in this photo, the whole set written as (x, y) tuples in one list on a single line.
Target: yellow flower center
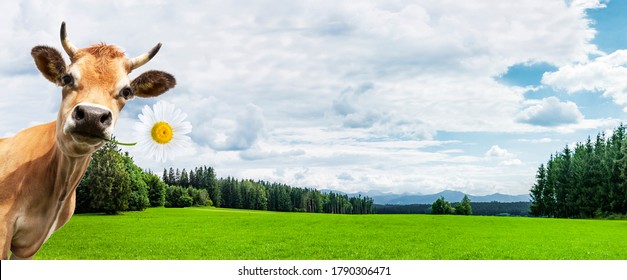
[(161, 132)]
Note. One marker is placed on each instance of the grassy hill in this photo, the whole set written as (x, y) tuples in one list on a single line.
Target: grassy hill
[(210, 233)]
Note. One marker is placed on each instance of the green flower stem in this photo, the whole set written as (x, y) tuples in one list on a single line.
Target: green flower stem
[(119, 143)]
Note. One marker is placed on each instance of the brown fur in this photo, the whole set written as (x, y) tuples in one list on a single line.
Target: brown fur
[(42, 194), (151, 83), (104, 51), (49, 62), (103, 54)]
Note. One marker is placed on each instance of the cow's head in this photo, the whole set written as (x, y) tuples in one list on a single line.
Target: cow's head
[(95, 88)]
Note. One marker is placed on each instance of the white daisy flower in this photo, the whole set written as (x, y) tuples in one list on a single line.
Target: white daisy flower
[(161, 132)]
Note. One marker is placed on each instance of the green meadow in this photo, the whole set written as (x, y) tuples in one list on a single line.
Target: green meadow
[(213, 233)]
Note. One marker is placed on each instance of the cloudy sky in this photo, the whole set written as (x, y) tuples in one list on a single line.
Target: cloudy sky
[(393, 96)]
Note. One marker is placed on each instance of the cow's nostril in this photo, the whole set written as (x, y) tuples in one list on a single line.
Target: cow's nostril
[(79, 113), (105, 118)]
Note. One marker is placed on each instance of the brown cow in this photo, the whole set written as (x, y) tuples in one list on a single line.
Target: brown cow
[(41, 166)]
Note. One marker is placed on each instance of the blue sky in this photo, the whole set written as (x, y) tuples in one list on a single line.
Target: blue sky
[(392, 96)]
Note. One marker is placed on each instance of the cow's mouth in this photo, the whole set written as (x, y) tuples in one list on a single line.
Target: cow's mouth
[(87, 138)]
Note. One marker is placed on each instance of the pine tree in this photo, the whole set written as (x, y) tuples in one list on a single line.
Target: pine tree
[(563, 184), (171, 177), (193, 181), (602, 192), (579, 167), (177, 178), (184, 179), (538, 202), (548, 194), (209, 180), (588, 169), (165, 176), (614, 157), (237, 194), (621, 188)]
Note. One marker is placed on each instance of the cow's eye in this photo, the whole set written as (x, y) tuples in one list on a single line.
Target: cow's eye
[(126, 92), (67, 80)]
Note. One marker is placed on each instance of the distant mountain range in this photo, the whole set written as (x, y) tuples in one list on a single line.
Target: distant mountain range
[(450, 196)]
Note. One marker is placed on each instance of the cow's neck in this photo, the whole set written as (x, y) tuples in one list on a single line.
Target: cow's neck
[(69, 171), (47, 179), (64, 171)]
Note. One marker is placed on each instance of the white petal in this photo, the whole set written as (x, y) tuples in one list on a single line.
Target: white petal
[(160, 153), (142, 127), (168, 112), (177, 144), (145, 119), (178, 117), (149, 115), (169, 151), (182, 128), (182, 138), (158, 108)]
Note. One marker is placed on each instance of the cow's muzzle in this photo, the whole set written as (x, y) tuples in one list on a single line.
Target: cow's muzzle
[(90, 123)]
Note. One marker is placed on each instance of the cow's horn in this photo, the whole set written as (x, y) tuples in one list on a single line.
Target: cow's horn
[(144, 58), (69, 48)]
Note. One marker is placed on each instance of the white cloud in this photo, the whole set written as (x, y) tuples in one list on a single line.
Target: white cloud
[(503, 156), (537, 141), (345, 177), (550, 112), (512, 162), (604, 74), (248, 126), (587, 4), (257, 154), (496, 151)]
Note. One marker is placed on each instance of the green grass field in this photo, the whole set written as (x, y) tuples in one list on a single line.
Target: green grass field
[(209, 233)]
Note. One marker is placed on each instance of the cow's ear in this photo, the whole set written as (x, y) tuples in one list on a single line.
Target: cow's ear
[(152, 83), (49, 62)]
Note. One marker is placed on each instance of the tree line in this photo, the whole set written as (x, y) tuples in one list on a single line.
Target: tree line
[(587, 181), (114, 183), (493, 208), (262, 195)]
